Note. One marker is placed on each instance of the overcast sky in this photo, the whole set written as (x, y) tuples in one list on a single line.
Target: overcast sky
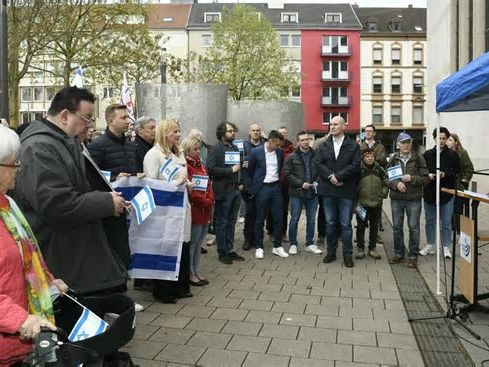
[(378, 3)]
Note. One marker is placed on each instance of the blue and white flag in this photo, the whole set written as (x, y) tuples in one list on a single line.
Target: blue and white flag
[(361, 211), (156, 244), (126, 99), (240, 144), (169, 169), (87, 326), (106, 174), (200, 182), (78, 78), (231, 158), (144, 204), (394, 172)]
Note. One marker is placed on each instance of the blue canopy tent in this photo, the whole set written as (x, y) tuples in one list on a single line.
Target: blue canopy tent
[(465, 90)]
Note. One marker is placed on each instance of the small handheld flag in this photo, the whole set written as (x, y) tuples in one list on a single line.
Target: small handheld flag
[(200, 182), (144, 204), (169, 169), (394, 173), (362, 213), (231, 158), (240, 144), (106, 174), (87, 326)]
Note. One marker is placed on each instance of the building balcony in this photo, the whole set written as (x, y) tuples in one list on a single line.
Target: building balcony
[(335, 51), (341, 76), (335, 101)]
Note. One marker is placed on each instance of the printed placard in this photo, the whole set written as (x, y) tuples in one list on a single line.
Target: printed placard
[(169, 169), (394, 172), (231, 158), (200, 182), (362, 212), (240, 144), (143, 203), (465, 247)]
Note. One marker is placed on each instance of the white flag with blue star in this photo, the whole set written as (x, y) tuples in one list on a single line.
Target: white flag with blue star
[(240, 144), (394, 172), (144, 204), (200, 182), (169, 169), (231, 158), (87, 326)]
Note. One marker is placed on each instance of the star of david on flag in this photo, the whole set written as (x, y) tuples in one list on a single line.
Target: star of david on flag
[(144, 204), (87, 326), (200, 182), (394, 172), (240, 144), (231, 158), (169, 169)]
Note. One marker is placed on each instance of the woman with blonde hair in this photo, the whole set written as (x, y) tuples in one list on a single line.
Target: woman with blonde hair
[(166, 147)]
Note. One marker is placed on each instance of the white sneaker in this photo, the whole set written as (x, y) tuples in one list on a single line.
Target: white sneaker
[(259, 253), (293, 250), (211, 241), (241, 220), (138, 307), (427, 250), (314, 249), (279, 251), (447, 253)]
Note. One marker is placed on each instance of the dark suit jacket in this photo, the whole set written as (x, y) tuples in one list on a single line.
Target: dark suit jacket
[(257, 167)]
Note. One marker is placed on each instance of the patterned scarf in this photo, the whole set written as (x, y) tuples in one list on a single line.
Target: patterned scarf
[(37, 276)]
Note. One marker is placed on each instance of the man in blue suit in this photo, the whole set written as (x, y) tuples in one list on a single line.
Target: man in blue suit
[(264, 167)]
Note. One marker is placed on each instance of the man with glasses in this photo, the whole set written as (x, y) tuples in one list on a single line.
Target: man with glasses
[(62, 208)]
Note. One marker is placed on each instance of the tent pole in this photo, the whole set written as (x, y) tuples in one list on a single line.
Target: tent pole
[(437, 233)]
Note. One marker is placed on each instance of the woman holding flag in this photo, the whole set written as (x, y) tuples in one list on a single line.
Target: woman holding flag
[(166, 161), (201, 198)]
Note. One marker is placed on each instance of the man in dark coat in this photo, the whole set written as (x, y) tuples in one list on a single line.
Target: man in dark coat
[(145, 138), (61, 207), (338, 163)]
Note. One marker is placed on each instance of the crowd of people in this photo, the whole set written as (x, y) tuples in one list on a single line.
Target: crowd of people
[(66, 202)]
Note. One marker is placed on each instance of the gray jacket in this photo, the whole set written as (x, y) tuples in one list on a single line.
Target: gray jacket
[(63, 210)]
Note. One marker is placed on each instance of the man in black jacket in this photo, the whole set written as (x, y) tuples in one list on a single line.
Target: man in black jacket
[(224, 165), (145, 137), (449, 171), (338, 162)]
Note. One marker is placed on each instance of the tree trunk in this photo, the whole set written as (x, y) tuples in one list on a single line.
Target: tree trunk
[(13, 91)]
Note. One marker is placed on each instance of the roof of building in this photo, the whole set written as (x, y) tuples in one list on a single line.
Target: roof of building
[(168, 16), (411, 20), (310, 16)]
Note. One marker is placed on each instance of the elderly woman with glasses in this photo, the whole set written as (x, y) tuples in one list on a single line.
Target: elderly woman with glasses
[(26, 285)]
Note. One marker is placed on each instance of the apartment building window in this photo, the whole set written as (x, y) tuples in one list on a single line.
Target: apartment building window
[(377, 55), (26, 94), (372, 25), (289, 18), (212, 17), (377, 114), (328, 116), (295, 40), (395, 84), (295, 91), (206, 40), (418, 84), (396, 55), (335, 44), (290, 40), (38, 94), (418, 56), (30, 116), (335, 70), (418, 114), (395, 114), (335, 96), (377, 84), (332, 17)]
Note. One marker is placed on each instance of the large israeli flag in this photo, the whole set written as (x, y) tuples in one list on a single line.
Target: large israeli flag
[(156, 244)]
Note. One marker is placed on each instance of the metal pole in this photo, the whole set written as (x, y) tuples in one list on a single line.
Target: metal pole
[(163, 66), (4, 113)]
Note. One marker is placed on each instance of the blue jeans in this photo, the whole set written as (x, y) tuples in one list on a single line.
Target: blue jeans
[(446, 212), (197, 236), (413, 211), (226, 214), (338, 212), (269, 199), (296, 204)]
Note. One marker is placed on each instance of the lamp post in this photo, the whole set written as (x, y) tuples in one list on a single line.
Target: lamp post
[(163, 65), (3, 59)]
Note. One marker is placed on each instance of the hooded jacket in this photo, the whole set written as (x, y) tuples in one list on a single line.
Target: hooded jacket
[(64, 211)]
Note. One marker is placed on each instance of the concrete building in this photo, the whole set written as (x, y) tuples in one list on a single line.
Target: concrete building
[(393, 72), (458, 32)]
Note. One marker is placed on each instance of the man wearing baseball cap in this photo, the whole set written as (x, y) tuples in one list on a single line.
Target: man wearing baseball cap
[(408, 174)]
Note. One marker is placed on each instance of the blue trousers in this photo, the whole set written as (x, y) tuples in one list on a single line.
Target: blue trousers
[(446, 212), (296, 204), (338, 213), (226, 214), (413, 211), (269, 199)]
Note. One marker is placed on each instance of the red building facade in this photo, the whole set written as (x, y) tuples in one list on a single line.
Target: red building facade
[(330, 65)]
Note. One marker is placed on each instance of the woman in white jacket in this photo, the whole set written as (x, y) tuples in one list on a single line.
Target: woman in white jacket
[(165, 148)]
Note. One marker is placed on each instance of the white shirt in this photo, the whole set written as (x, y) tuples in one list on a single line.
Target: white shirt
[(337, 143), (370, 143), (272, 165)]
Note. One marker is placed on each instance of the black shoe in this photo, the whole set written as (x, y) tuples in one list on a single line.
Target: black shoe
[(185, 295), (225, 259), (200, 283), (143, 284), (166, 300), (349, 262), (203, 250), (235, 257), (329, 259), (247, 245)]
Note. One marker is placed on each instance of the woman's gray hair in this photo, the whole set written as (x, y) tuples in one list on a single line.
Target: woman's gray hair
[(142, 121), (9, 144)]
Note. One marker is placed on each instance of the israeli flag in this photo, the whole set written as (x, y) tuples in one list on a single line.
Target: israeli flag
[(240, 144), (156, 243), (394, 172), (106, 174), (78, 78), (231, 158), (87, 326), (200, 182), (169, 169), (361, 211), (144, 204)]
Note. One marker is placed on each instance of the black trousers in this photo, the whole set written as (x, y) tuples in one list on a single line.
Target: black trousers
[(167, 289), (372, 218)]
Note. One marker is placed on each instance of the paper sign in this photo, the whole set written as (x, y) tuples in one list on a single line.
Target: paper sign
[(200, 182), (169, 169), (465, 247), (144, 204), (231, 158), (362, 212), (240, 144), (394, 172)]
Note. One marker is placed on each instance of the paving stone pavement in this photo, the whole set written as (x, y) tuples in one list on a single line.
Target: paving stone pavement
[(295, 311)]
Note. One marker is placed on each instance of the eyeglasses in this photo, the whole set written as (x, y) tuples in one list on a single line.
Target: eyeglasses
[(16, 164), (230, 131), (89, 121)]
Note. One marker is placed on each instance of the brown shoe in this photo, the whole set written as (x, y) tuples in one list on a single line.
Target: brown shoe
[(374, 255), (396, 259), (412, 263)]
